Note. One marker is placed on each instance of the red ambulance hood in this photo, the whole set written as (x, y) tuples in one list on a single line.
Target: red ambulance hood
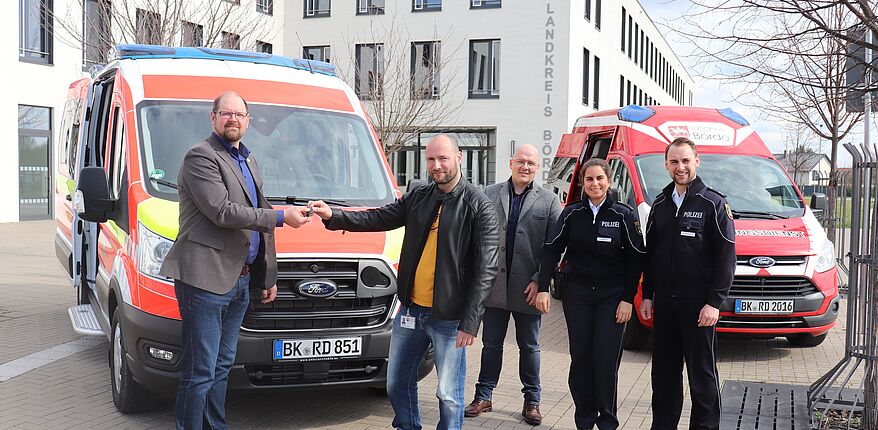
[(780, 237), (315, 238)]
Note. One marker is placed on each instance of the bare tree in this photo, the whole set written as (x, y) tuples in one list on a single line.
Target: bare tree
[(97, 25), (794, 73), (800, 148), (407, 86)]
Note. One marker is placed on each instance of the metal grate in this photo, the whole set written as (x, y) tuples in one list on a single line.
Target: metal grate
[(342, 311), (757, 406), (773, 286), (294, 373)]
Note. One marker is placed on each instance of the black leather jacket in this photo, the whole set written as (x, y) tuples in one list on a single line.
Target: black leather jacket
[(466, 250)]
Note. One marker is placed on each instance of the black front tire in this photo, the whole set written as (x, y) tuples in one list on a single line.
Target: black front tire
[(128, 395), (636, 336), (806, 340)]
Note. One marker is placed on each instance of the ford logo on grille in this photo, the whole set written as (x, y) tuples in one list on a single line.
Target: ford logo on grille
[(316, 288), (762, 262)]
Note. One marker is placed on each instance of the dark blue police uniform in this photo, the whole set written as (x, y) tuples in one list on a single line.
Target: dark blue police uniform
[(690, 262), (602, 267)]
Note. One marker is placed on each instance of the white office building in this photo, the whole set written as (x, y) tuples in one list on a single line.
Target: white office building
[(514, 71), (507, 72)]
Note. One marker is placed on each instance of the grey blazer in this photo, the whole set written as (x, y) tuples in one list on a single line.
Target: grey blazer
[(216, 222), (539, 212)]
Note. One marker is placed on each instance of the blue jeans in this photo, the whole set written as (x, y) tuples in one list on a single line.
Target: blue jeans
[(527, 334), (407, 349), (210, 338)]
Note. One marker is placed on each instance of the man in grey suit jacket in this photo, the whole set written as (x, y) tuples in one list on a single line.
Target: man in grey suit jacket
[(530, 211), (224, 247)]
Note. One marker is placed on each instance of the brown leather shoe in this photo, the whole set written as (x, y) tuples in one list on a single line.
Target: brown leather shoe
[(476, 408), (531, 414)]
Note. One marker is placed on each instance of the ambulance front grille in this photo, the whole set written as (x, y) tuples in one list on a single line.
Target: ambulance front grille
[(771, 286), (344, 310)]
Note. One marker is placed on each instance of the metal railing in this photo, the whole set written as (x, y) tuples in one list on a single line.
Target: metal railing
[(839, 230), (847, 392)]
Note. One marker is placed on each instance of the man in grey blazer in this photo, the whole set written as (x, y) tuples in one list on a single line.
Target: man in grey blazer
[(224, 247), (530, 211)]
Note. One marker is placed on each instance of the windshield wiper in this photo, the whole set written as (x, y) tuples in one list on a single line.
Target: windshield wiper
[(293, 200), (164, 182), (756, 214)]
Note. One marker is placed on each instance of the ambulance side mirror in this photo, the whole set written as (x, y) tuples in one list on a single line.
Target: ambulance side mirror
[(819, 205), (92, 198)]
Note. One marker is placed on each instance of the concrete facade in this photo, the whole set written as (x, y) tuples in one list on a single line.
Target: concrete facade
[(541, 60)]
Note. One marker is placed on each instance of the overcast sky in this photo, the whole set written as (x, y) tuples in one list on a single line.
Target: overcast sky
[(715, 94)]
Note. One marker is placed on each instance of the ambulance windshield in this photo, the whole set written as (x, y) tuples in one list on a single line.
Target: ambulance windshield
[(753, 185), (300, 152)]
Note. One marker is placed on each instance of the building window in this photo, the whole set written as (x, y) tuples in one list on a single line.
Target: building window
[(149, 27), (265, 6), (370, 70), (588, 10), (636, 44), (484, 68), (231, 40), (35, 31), (597, 81), (34, 147), (586, 81), (483, 4), (97, 38), (478, 150), (597, 14), (193, 34), (627, 92), (621, 91), (623, 29), (319, 53), (370, 7), (425, 70), (630, 32), (263, 47), (316, 8), (426, 5)]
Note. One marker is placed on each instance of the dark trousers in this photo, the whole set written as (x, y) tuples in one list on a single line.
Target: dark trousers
[(678, 338), (527, 334), (211, 323), (595, 352)]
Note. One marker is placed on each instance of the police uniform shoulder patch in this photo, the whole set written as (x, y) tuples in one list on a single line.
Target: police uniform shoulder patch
[(728, 211), (637, 228)]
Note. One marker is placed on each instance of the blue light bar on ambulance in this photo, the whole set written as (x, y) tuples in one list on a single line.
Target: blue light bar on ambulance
[(734, 116), (634, 113), (139, 51)]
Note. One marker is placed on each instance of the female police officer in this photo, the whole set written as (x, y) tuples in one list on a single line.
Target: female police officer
[(604, 250)]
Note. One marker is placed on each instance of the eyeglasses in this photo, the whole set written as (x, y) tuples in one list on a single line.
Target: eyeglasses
[(225, 114), (522, 163)]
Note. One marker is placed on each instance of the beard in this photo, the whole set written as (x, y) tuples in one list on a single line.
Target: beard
[(449, 176), (232, 134)]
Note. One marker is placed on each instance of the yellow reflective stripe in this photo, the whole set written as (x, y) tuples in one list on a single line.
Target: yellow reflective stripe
[(393, 244), (161, 216)]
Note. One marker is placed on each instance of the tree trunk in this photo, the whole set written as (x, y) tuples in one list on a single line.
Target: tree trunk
[(832, 191)]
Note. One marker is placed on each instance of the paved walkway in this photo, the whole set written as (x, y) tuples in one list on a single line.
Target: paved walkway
[(74, 391)]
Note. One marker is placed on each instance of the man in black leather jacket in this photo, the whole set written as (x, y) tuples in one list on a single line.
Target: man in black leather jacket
[(446, 270)]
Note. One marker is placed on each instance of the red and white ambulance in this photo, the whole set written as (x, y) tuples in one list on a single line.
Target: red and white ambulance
[(786, 279), (124, 133)]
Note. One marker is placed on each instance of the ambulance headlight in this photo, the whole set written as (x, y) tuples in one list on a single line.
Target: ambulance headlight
[(825, 257), (151, 251)]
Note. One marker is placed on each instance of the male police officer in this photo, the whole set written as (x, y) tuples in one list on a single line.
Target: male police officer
[(690, 263)]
